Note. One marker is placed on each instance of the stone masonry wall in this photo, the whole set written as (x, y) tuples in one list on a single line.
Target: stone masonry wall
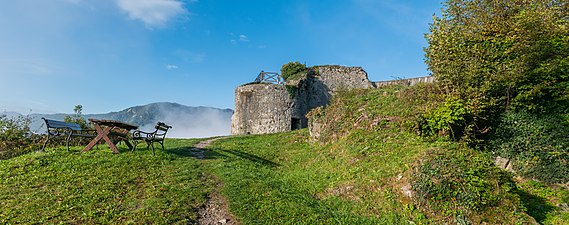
[(269, 108), (318, 89), (261, 109), (406, 82), (336, 78)]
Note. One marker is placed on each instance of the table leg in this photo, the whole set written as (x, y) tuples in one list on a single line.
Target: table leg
[(101, 134), (128, 144), (109, 142)]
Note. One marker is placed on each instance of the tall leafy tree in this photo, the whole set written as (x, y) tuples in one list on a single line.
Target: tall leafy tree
[(77, 117), (502, 54)]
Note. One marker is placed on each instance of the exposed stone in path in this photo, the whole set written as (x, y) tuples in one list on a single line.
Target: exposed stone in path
[(215, 211)]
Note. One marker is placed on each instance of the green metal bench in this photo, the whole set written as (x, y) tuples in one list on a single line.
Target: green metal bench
[(56, 129), (150, 138)]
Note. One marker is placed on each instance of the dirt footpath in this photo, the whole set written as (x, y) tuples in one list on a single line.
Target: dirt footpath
[(215, 211)]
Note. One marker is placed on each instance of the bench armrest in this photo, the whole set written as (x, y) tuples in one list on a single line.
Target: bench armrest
[(142, 134)]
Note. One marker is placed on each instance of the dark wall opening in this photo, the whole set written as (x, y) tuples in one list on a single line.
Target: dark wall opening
[(295, 124)]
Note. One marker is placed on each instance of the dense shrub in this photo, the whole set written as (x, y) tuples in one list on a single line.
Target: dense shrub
[(16, 138), (293, 71), (448, 119), (500, 55), (538, 144), (463, 186)]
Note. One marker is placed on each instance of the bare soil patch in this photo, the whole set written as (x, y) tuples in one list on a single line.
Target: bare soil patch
[(215, 211)]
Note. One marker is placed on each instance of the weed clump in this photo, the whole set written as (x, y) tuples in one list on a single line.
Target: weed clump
[(538, 145), (460, 185), (16, 138)]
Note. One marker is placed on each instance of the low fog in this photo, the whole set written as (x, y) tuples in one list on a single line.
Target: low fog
[(206, 122)]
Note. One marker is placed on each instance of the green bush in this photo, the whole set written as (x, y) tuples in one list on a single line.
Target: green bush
[(462, 185), (537, 143), (16, 138), (502, 55), (448, 119), (293, 71)]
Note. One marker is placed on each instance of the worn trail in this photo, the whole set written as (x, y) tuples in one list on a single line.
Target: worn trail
[(216, 209)]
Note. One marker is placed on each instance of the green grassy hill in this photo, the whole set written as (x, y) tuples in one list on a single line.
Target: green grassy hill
[(97, 187), (369, 166)]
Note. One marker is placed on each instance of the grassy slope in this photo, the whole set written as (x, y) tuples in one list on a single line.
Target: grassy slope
[(281, 179), (100, 187), (359, 176)]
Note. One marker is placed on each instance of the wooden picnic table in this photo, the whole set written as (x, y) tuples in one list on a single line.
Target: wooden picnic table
[(110, 128)]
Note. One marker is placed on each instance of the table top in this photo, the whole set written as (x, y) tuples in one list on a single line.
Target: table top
[(114, 123)]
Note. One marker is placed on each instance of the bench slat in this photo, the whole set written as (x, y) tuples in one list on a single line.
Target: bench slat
[(61, 124)]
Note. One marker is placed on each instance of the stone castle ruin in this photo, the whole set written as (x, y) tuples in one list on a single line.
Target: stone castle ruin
[(262, 108)]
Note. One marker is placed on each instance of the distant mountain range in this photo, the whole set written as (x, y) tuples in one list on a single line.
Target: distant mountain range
[(186, 121)]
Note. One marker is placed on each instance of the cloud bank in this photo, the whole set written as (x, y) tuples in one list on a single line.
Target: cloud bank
[(206, 122), (153, 13)]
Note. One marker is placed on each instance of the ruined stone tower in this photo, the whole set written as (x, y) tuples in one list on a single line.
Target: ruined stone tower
[(269, 108), (260, 109)]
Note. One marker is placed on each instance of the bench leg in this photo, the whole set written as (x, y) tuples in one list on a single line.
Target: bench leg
[(45, 143), (134, 144), (67, 141)]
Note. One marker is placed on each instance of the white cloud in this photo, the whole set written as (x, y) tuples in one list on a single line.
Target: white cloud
[(236, 39), (190, 57), (243, 38), (153, 13), (171, 67)]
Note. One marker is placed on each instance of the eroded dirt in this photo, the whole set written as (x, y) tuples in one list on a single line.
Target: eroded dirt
[(215, 211)]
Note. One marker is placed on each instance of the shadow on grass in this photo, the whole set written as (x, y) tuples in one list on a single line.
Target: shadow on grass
[(248, 156), (198, 153), (537, 207), (203, 153)]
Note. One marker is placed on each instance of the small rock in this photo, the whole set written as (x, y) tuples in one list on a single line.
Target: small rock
[(564, 207), (504, 163), (223, 221), (407, 191), (399, 176)]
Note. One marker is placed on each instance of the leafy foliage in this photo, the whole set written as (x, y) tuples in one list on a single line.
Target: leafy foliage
[(448, 119), (293, 71), (537, 144), (77, 117), (497, 55), (16, 137), (462, 186)]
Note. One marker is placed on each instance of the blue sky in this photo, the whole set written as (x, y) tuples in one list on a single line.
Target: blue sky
[(108, 55)]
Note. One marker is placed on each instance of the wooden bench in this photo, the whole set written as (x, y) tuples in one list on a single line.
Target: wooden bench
[(150, 137), (67, 130)]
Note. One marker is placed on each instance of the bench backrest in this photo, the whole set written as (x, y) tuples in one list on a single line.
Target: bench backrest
[(161, 129), (55, 124)]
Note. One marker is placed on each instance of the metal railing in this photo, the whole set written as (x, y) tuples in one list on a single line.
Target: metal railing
[(269, 77)]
